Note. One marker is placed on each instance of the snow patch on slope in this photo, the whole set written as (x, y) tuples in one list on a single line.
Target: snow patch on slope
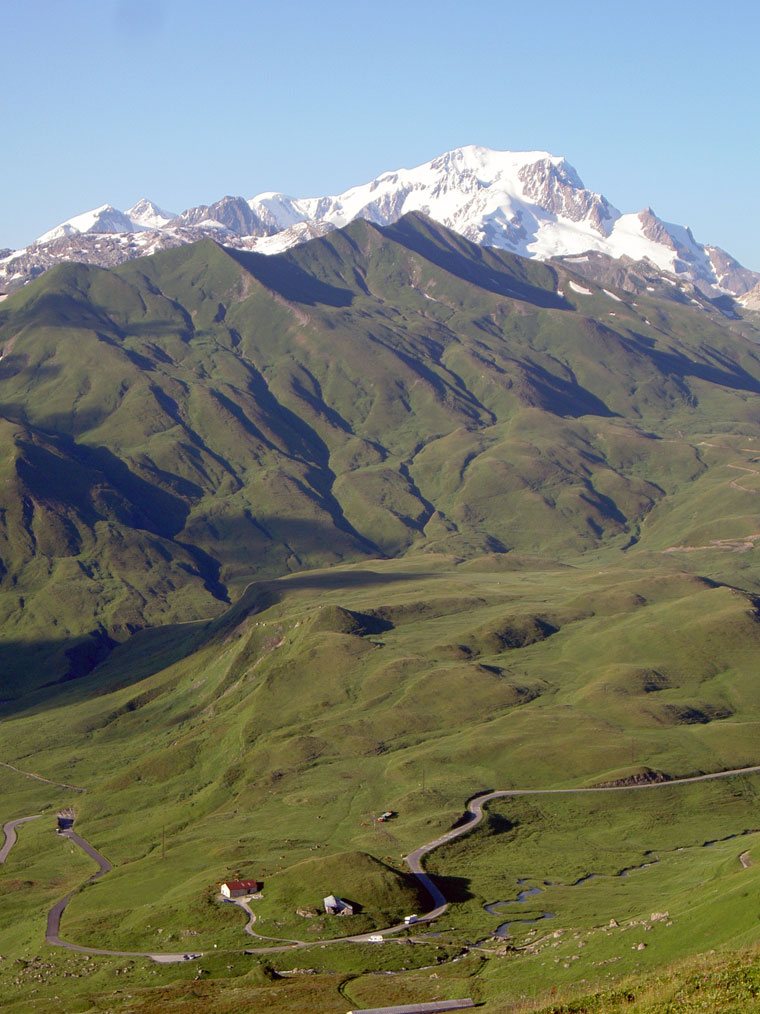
[(580, 289)]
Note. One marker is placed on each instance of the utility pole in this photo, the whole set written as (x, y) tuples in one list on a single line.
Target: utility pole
[(163, 842)]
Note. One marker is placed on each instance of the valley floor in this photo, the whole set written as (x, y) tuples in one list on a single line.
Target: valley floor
[(268, 748)]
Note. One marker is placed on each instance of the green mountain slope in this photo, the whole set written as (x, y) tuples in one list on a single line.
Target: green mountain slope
[(376, 524), (265, 742), (186, 423)]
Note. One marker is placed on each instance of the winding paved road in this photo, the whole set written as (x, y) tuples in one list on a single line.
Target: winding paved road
[(414, 861), (475, 812), (475, 815), (55, 913), (9, 830)]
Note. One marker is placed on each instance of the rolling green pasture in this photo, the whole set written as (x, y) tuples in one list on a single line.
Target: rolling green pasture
[(278, 732), (378, 524)]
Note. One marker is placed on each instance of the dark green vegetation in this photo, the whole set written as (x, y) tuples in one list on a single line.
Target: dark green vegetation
[(183, 424), (377, 524)]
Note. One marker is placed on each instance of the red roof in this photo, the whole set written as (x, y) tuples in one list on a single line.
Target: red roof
[(242, 885)]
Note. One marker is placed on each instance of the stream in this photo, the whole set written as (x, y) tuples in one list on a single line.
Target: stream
[(522, 897), (525, 895), (530, 892)]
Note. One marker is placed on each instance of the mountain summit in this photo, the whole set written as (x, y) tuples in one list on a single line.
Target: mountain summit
[(494, 198), (531, 203)]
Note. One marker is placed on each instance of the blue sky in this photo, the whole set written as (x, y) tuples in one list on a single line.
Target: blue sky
[(182, 101)]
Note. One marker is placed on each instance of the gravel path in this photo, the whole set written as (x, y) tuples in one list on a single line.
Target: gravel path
[(39, 778)]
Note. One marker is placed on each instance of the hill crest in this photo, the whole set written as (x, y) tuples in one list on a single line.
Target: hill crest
[(532, 203)]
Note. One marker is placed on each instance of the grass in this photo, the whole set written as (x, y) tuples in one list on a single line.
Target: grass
[(660, 841), (254, 417), (494, 541), (274, 735)]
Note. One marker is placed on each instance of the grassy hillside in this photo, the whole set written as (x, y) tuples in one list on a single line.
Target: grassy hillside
[(189, 422), (282, 729), (377, 524)]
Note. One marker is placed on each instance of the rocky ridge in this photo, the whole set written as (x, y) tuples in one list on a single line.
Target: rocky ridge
[(530, 203)]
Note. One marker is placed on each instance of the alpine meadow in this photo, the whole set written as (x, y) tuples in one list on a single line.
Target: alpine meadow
[(301, 553)]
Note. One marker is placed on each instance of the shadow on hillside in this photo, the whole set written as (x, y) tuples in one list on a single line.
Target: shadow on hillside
[(564, 397), (289, 280), (85, 667), (342, 579), (61, 661), (727, 373), (68, 473), (454, 889), (92, 484), (244, 547), (481, 267), (15, 363), (261, 595), (76, 668)]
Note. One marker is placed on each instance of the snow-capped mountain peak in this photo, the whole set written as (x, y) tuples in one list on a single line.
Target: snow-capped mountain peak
[(106, 218), (278, 210), (531, 203), (499, 198), (147, 215), (554, 185)]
